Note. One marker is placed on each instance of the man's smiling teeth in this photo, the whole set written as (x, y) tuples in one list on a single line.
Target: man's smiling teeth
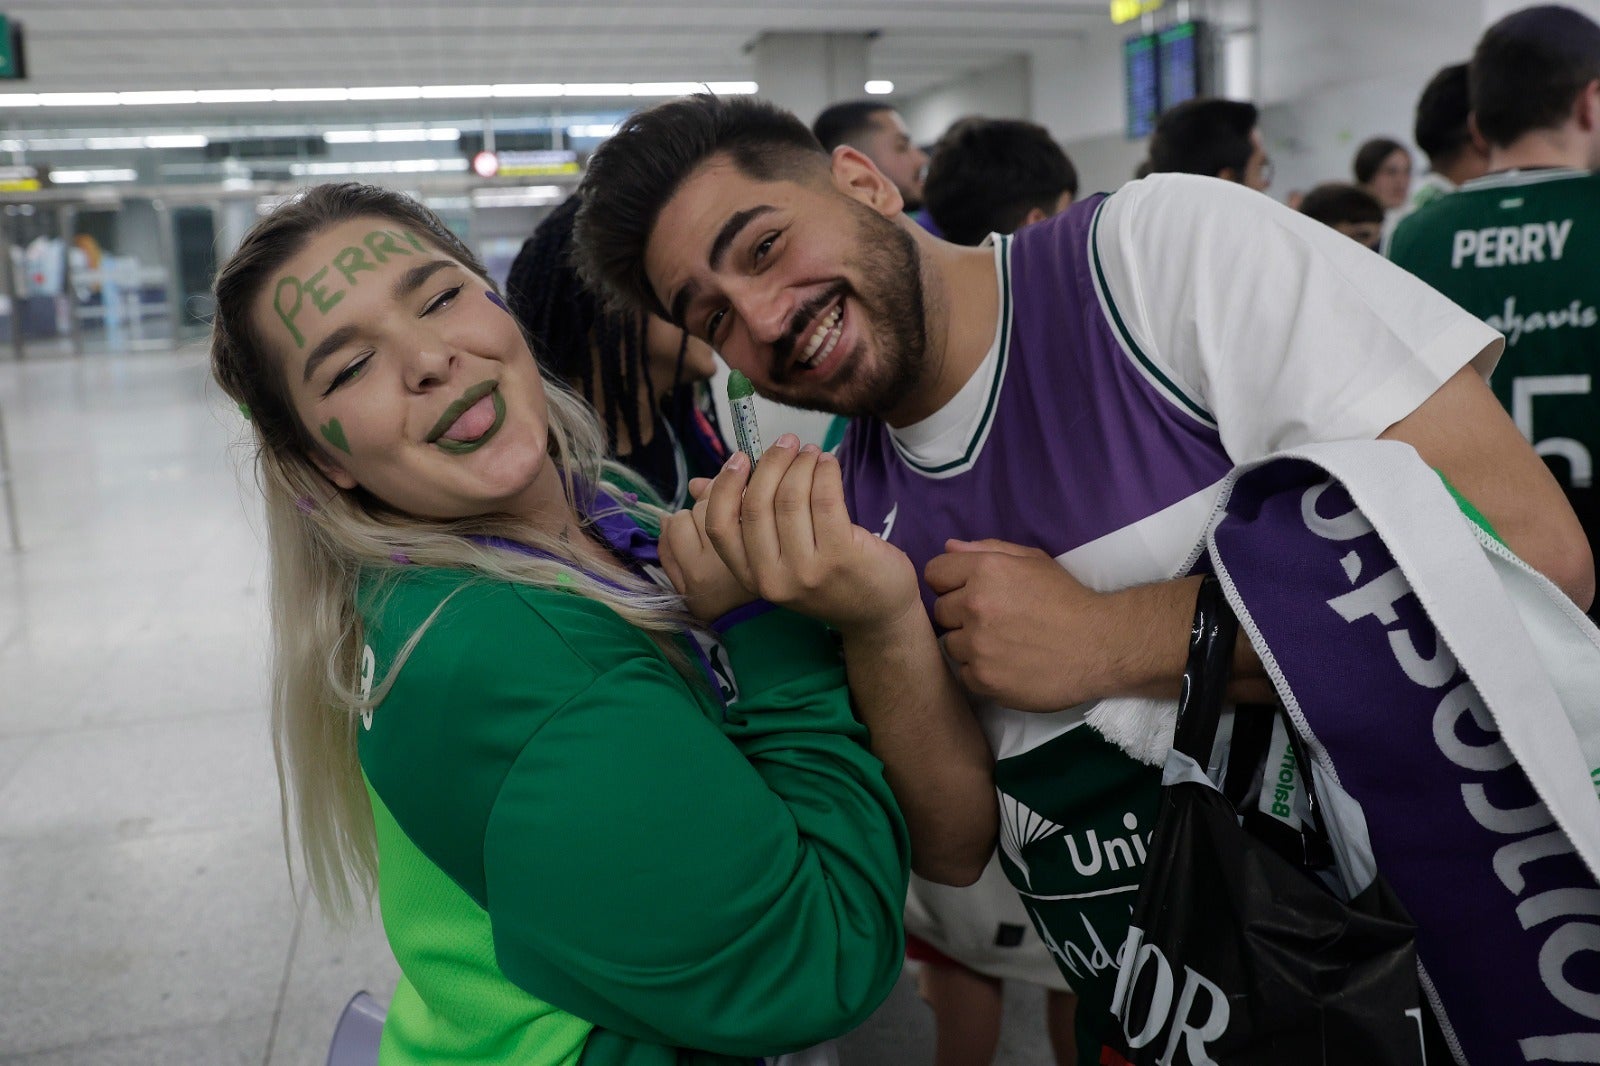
[(823, 339)]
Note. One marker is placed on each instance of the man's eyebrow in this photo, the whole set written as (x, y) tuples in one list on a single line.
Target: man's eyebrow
[(416, 277), (330, 344), (730, 229)]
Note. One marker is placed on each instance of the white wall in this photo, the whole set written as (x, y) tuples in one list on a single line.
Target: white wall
[(1001, 91)]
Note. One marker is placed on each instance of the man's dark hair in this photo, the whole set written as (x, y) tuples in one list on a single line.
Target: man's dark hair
[(1335, 202), (1441, 129), (843, 123), (1370, 156), (1204, 136), (633, 174), (1529, 67), (986, 175)]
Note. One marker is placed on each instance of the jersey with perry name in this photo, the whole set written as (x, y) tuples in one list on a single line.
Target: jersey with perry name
[(1146, 343), (1522, 251)]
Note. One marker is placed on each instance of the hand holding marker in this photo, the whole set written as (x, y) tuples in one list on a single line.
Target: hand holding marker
[(742, 402)]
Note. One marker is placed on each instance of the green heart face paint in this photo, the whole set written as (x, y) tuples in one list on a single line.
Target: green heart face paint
[(333, 433)]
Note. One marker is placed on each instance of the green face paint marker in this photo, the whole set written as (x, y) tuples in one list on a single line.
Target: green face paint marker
[(333, 433), (742, 401)]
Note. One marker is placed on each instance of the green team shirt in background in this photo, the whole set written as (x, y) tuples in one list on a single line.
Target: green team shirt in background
[(1521, 250)]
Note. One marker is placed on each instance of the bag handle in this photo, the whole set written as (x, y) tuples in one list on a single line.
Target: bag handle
[(1212, 637)]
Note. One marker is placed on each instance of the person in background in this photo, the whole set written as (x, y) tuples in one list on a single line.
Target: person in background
[(1347, 208), (1383, 168), (987, 176), (645, 377), (996, 176), (1444, 133), (1520, 246), (877, 131), (615, 810), (1215, 137)]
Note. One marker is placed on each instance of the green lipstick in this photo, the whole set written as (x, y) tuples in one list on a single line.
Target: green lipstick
[(459, 408)]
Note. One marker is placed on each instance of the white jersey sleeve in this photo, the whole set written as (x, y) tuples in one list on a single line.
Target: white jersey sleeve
[(1282, 330)]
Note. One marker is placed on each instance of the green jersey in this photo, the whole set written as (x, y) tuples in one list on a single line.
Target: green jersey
[(1522, 251)]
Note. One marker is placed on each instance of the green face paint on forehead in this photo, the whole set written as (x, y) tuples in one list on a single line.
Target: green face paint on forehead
[(333, 433), (374, 250)]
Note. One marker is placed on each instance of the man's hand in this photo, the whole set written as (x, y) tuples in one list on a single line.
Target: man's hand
[(707, 586), (1027, 634), (1021, 629), (786, 534)]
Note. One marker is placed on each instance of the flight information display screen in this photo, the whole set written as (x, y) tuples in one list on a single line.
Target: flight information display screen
[(1179, 50), (1162, 70), (1142, 72)]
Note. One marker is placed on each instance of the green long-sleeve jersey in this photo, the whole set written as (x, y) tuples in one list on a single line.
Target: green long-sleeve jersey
[(584, 858)]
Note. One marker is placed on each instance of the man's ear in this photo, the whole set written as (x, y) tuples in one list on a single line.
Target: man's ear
[(1586, 110), (331, 469), (860, 179), (1479, 141)]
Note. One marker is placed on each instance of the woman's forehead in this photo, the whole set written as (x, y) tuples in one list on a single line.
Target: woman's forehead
[(336, 261)]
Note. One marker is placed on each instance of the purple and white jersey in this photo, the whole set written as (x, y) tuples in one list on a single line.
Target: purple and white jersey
[(1147, 342)]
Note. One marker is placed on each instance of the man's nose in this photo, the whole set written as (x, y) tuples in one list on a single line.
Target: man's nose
[(766, 310)]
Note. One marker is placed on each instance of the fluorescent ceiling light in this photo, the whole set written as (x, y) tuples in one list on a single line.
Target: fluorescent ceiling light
[(334, 94), (234, 96), (879, 88), (526, 196), (455, 92), (441, 133), (79, 99), (87, 177), (296, 96), (379, 166), (598, 88), (386, 92), (177, 140), (537, 90), (159, 96), (602, 129), (102, 143)]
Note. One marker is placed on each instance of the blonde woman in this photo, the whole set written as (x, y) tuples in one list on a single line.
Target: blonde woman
[(602, 829)]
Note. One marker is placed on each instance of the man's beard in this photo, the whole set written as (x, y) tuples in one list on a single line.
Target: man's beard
[(890, 300)]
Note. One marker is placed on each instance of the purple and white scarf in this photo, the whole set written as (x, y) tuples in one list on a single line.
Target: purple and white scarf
[(1454, 695)]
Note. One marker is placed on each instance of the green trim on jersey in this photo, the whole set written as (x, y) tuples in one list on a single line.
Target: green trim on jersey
[(1165, 383), (980, 433)]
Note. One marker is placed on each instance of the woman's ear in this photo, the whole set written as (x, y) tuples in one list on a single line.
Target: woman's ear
[(860, 179)]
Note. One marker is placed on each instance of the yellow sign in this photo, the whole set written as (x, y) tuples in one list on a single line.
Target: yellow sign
[(537, 170), (21, 185), (1128, 10)]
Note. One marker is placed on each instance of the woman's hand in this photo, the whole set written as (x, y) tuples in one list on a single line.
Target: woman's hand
[(786, 534), (707, 586)]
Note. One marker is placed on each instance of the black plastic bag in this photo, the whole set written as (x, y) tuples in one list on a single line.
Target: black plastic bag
[(1243, 950)]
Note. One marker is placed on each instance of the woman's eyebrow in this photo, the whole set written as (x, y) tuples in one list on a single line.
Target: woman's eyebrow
[(330, 344), (416, 277)]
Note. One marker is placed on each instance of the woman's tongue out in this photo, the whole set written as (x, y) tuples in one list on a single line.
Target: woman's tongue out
[(474, 421)]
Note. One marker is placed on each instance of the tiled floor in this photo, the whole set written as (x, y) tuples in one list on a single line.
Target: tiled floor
[(146, 915)]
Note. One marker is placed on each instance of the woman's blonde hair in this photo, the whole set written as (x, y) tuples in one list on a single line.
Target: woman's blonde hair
[(325, 545)]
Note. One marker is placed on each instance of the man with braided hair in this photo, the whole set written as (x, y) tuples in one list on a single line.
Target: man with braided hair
[(643, 376)]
